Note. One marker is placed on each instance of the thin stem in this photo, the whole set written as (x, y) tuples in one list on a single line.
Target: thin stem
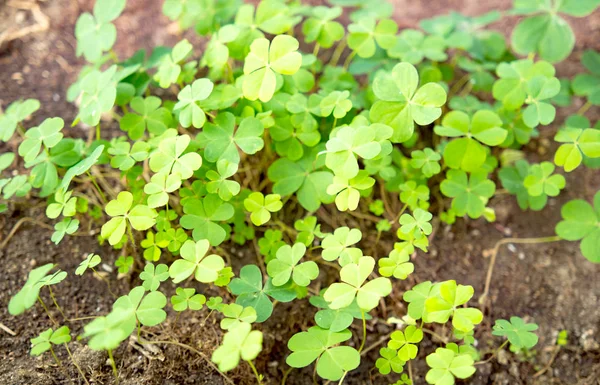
[(206, 318), (177, 318), (75, 363), (105, 281), (316, 50), (349, 59), (56, 304), (488, 279), (47, 311), (131, 239), (337, 53), (584, 108), (93, 179), (410, 375), (113, 365), (55, 357), (493, 354), (342, 379), (432, 333), (98, 131), (364, 328), (258, 381), (334, 123), (400, 213), (285, 375)]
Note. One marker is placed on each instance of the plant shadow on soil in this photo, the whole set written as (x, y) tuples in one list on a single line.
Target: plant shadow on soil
[(550, 284)]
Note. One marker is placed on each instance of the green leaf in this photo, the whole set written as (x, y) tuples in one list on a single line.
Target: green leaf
[(427, 161), (446, 365), (190, 113), (406, 343), (98, 94), (81, 167), (337, 245), (140, 217), (46, 339), (170, 158), (467, 153), (222, 139), (169, 68), (124, 264), (63, 204), (92, 260), (187, 299), (321, 28), (265, 60), (470, 194), (365, 33), (219, 184), (202, 215), (64, 227), (442, 306), (416, 298), (14, 114), (389, 361), (235, 315), (413, 47), (397, 264), (353, 277), (125, 156), (346, 144), (160, 186), (149, 116), (153, 276), (338, 103), (239, 342), (261, 207), (517, 331), (347, 191), (286, 266), (578, 142), (401, 103), (319, 344), (581, 221), (418, 223), (27, 296), (194, 261), (48, 133), (541, 181)]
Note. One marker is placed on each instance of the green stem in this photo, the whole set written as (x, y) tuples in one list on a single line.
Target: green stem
[(493, 354), (349, 59), (400, 213), (337, 53), (131, 239), (98, 131), (75, 363), (55, 357), (258, 381), (47, 311), (364, 328), (342, 379), (334, 123), (285, 375), (95, 183), (584, 108), (113, 365), (56, 303), (206, 318), (316, 50)]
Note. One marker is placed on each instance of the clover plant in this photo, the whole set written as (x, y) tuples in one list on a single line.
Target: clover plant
[(330, 168)]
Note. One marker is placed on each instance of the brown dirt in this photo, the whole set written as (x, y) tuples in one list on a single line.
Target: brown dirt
[(550, 284)]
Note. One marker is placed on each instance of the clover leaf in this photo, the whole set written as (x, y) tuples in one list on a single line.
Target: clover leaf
[(160, 186), (546, 32), (265, 60), (353, 276), (397, 264), (285, 266), (125, 156), (152, 246), (417, 296), (470, 193), (402, 103), (222, 140), (413, 46), (169, 68), (467, 153), (512, 179), (28, 294), (270, 243), (426, 160), (418, 223), (346, 145), (517, 331), (240, 342), (194, 261), (446, 365), (124, 264), (92, 260), (149, 116), (347, 191), (95, 33), (235, 315), (64, 227), (389, 361), (366, 32), (322, 28), (320, 344), (414, 195), (140, 217), (587, 84), (98, 95), (49, 337), (541, 181), (14, 114), (337, 102), (308, 229), (137, 306), (80, 167), (48, 133), (170, 159), (219, 184), (187, 299), (261, 207), (250, 291), (581, 221), (405, 342), (190, 113), (304, 177), (578, 142), (337, 245), (63, 204), (335, 320), (152, 276), (442, 306), (201, 216)]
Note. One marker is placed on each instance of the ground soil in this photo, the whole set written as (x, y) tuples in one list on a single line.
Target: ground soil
[(550, 284)]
